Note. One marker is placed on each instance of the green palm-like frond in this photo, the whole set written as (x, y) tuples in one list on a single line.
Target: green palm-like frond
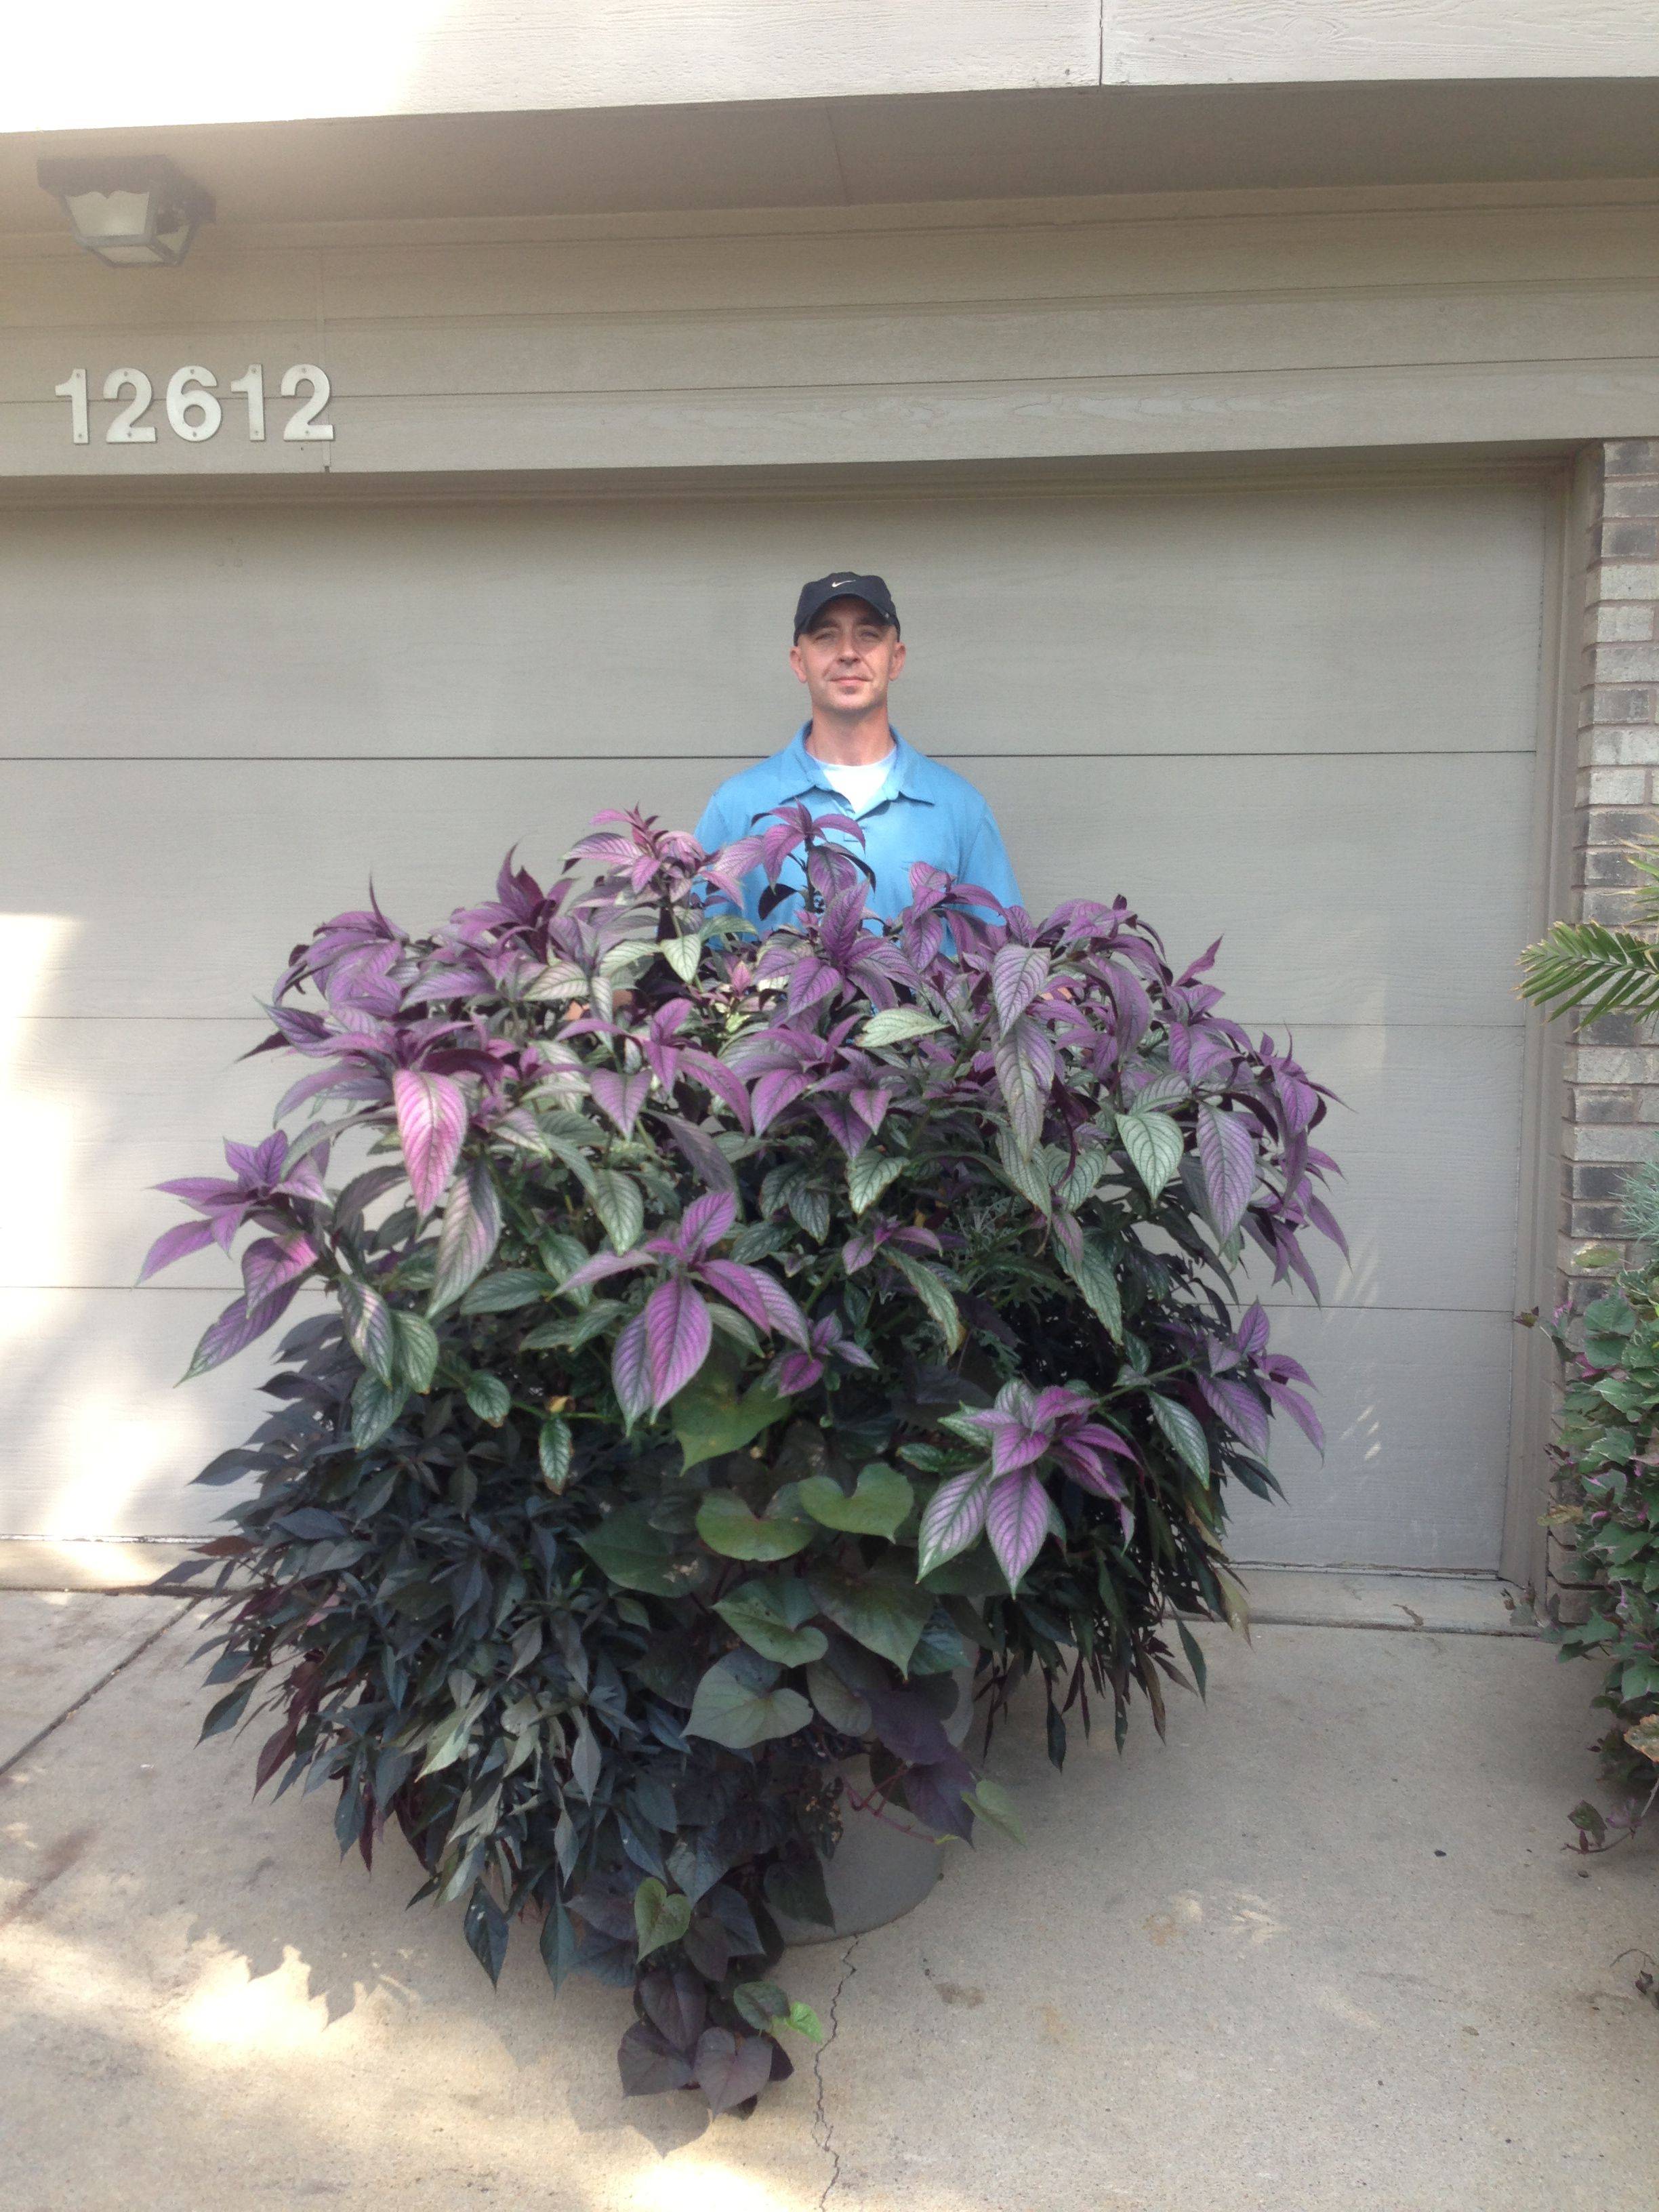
[(1585, 964)]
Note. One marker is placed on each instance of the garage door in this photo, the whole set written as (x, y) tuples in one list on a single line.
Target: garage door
[(1304, 719)]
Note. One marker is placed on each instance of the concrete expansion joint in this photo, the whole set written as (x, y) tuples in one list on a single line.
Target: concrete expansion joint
[(96, 1690), (823, 2126)]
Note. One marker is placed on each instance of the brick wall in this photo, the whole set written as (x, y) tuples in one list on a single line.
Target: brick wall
[(1613, 1072)]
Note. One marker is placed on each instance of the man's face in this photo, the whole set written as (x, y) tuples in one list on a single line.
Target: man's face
[(847, 657)]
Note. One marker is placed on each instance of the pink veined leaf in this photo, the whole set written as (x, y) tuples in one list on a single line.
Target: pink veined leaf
[(620, 1096), (238, 1326), (757, 1297), (678, 1334), (797, 1372), (470, 1232), (1252, 1336), (630, 1369), (849, 1130), (175, 1243), (207, 1193), (341, 1079), (273, 1261), (1086, 1469), (1017, 1520), (1226, 1152), (1013, 1444), (1024, 1093), (602, 1264), (773, 1092), (954, 1517), (723, 1082), (706, 1220), (431, 1124), (1325, 1222), (1018, 974), (1238, 1407), (871, 1104), (1299, 1411)]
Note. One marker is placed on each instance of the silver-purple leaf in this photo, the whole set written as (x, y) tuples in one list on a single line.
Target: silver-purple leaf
[(1226, 1152), (1017, 1520), (954, 1517), (431, 1123), (471, 1230), (678, 1335)]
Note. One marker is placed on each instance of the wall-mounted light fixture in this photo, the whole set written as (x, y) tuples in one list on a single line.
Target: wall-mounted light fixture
[(135, 213)]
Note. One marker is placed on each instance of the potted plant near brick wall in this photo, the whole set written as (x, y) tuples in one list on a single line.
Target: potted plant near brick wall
[(728, 1360)]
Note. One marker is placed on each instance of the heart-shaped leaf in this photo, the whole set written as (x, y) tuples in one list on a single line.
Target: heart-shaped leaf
[(877, 1507), (660, 1916), (730, 2072), (882, 1609), (630, 1553), (738, 1704), (711, 1418), (728, 1526), (843, 1708), (768, 1615)]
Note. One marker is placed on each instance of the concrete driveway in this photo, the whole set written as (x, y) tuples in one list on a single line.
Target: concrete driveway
[(1322, 1950)]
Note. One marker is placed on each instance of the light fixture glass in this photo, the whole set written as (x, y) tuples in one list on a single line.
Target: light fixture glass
[(133, 214)]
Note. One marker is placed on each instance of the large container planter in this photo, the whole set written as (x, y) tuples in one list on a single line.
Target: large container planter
[(720, 1345), (887, 1860)]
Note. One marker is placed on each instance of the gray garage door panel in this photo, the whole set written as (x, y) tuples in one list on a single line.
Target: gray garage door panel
[(1301, 719), (1415, 1408), (1379, 889), (1169, 621)]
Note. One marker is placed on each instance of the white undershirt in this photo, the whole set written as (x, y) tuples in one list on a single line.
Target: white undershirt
[(857, 782)]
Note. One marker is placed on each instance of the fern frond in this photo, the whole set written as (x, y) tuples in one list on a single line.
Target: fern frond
[(1585, 964)]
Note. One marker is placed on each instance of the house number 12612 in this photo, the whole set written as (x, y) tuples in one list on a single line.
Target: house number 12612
[(193, 411)]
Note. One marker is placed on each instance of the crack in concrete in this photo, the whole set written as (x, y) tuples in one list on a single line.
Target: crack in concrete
[(822, 2127)]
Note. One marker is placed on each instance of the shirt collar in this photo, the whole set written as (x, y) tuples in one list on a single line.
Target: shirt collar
[(799, 773)]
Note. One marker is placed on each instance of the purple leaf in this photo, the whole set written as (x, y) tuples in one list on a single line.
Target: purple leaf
[(620, 1096), (649, 2064), (730, 2071), (273, 1261), (773, 1092), (1252, 1336), (676, 2005), (1238, 1407), (953, 1519), (630, 1369), (1017, 1520), (175, 1243), (1299, 1411), (601, 1264), (757, 1296), (1018, 974), (705, 1221), (471, 1230), (238, 1326), (1226, 1152), (431, 1123), (678, 1334)]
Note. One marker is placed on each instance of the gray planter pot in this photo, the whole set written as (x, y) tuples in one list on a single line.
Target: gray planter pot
[(887, 1860)]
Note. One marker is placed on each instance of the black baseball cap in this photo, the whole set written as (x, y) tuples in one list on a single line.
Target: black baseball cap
[(843, 585)]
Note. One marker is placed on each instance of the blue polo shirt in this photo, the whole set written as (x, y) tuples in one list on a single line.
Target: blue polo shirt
[(923, 811)]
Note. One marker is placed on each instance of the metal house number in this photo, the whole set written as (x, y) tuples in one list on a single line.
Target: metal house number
[(193, 411)]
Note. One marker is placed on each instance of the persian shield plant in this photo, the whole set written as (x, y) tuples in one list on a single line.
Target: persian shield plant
[(718, 1353)]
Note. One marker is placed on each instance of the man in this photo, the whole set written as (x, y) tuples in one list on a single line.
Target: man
[(847, 758)]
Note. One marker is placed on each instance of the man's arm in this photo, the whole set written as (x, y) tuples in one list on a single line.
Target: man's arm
[(988, 864)]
